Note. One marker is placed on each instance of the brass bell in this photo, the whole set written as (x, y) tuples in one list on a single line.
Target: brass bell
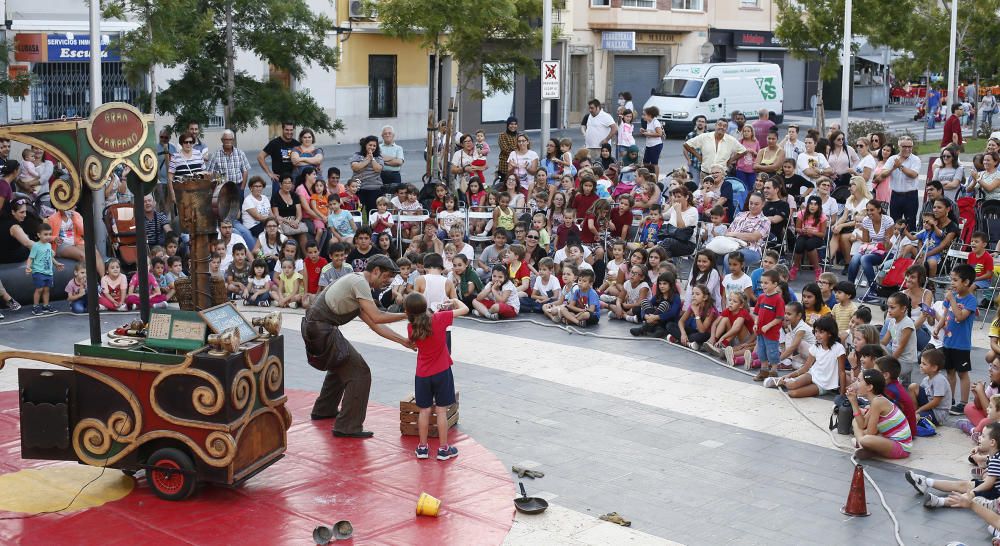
[(271, 323), (224, 343)]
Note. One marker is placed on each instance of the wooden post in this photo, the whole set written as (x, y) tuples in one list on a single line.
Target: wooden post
[(429, 155), (448, 144), (86, 208)]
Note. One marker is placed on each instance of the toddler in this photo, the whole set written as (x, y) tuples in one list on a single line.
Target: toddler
[(583, 306), (291, 286), (76, 290), (259, 285), (553, 309), (113, 287), (933, 394), (41, 266), (156, 298)]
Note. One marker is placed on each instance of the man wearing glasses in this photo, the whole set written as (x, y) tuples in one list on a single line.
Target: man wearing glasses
[(903, 170)]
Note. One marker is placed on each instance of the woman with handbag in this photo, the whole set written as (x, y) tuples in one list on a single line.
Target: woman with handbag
[(287, 209), (845, 229), (842, 158), (681, 221)]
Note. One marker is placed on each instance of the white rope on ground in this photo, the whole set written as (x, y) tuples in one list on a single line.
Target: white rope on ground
[(833, 439), (67, 313)]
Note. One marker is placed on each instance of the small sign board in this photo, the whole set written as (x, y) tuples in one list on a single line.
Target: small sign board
[(550, 80), (223, 317), (178, 330), (618, 40)]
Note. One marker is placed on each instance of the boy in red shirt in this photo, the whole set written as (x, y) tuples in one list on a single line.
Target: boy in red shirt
[(770, 311), (980, 260), (569, 226), (313, 267), (434, 384), (895, 391)]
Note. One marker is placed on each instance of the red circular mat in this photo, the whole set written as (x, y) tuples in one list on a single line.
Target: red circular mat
[(374, 483)]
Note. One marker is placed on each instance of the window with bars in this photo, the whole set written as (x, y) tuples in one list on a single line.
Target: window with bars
[(381, 86), (638, 3), (600, 3), (63, 89), (749, 3)]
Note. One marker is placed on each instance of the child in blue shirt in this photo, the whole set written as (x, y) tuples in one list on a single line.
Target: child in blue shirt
[(583, 306), (960, 310), (40, 265), (767, 263), (651, 226)]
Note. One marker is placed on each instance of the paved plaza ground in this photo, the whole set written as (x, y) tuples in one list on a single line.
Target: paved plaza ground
[(688, 450)]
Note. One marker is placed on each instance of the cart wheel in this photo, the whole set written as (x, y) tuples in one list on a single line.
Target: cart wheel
[(173, 486)]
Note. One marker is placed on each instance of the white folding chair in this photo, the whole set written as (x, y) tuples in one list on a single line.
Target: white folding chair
[(416, 216), (478, 213)]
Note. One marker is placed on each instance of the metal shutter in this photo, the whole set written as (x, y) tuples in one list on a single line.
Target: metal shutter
[(636, 74)]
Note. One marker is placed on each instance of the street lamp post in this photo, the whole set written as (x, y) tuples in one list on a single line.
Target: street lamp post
[(952, 97), (546, 56), (845, 76)]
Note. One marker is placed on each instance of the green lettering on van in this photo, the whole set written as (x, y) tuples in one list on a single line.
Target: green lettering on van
[(767, 89)]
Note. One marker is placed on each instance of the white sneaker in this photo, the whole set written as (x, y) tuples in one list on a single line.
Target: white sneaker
[(608, 298), (771, 383), (695, 346), (730, 357), (161, 305), (918, 481), (711, 349), (293, 305), (493, 316), (632, 318), (123, 307), (747, 359)]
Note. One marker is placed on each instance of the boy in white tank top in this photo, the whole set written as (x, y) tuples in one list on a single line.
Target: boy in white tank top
[(434, 286)]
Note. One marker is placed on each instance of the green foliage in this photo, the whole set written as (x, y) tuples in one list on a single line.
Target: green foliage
[(12, 87), (487, 39), (191, 34), (814, 33)]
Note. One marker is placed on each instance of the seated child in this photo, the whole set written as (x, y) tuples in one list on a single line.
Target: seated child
[(733, 332), (394, 294), (156, 299), (583, 306), (662, 307), (259, 287), (988, 488), (498, 299), (553, 309), (880, 429), (716, 227), (796, 338), (977, 412), (695, 324), (545, 289), (933, 394), (828, 284), (843, 293), (290, 285), (980, 260), (634, 291), (894, 390), (927, 239), (823, 372), (650, 227), (76, 289), (238, 273)]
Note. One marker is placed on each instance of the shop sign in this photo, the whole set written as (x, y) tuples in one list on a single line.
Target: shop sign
[(30, 48), (657, 37), (117, 131), (749, 38), (618, 40), (72, 47)]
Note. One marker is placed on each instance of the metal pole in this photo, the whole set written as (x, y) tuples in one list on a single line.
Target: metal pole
[(845, 61), (885, 79), (95, 56), (90, 201), (546, 56), (952, 97)]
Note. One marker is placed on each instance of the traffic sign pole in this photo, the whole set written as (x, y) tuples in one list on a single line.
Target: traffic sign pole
[(546, 55)]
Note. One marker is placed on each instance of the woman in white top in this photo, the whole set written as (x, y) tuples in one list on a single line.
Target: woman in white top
[(512, 186), (844, 230), (876, 228), (989, 179), (269, 242), (866, 167), (842, 158), (461, 160), (680, 214), (256, 207), (523, 161)]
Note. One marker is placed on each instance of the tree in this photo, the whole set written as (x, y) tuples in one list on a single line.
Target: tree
[(489, 40), (815, 32), (18, 85), (284, 33)]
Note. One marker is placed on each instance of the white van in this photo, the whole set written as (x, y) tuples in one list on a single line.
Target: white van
[(715, 90)]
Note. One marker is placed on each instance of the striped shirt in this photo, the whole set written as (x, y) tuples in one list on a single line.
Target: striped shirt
[(187, 166), (993, 469), (894, 427), (231, 166)]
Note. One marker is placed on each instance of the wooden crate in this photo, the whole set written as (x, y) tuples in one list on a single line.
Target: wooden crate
[(408, 412)]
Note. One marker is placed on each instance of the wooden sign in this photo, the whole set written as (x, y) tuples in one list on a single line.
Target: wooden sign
[(117, 130), (223, 317)]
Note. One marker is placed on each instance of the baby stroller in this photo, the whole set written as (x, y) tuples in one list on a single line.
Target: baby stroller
[(891, 274)]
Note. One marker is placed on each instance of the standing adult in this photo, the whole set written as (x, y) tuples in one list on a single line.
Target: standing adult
[(461, 160), (694, 160), (599, 130), (392, 157), (988, 106), (9, 171), (347, 385), (791, 143), (762, 126), (507, 142), (745, 162), (842, 159), (367, 165), (715, 148), (952, 135), (523, 161), (903, 171), (682, 217), (771, 156), (811, 164), (751, 227), (164, 192), (735, 126), (188, 162), (194, 131), (231, 162), (306, 154), (933, 107), (279, 149)]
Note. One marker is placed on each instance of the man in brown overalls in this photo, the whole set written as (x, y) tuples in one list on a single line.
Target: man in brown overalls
[(348, 378)]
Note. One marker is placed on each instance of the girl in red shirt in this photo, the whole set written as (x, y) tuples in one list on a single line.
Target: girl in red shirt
[(434, 385)]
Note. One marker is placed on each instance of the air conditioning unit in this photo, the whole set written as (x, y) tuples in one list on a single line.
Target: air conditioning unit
[(356, 10)]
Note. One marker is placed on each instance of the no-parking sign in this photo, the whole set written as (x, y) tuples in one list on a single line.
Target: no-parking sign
[(550, 80)]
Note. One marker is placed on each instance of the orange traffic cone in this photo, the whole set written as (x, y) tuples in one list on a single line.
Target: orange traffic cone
[(856, 504)]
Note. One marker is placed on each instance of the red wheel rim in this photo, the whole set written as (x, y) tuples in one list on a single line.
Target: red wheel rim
[(168, 482)]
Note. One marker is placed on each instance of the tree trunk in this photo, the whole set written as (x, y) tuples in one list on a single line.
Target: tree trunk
[(820, 111)]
